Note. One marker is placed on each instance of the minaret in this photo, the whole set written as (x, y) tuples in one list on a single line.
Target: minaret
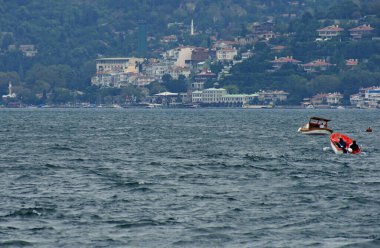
[(192, 27), (10, 89)]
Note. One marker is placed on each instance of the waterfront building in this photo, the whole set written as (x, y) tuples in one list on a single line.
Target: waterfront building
[(334, 98), (366, 98), (272, 96), (329, 99), (220, 97), (196, 96), (213, 95)]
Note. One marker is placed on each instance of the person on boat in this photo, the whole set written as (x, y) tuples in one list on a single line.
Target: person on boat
[(322, 125), (354, 147), (342, 144)]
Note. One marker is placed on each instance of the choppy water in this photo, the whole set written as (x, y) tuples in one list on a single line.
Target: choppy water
[(186, 178)]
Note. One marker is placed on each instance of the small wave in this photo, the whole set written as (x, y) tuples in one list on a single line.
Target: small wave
[(30, 212), (203, 197), (144, 223), (42, 228), (15, 243), (210, 240), (78, 159), (23, 177), (51, 166), (366, 244), (257, 158), (155, 163), (143, 189), (61, 148)]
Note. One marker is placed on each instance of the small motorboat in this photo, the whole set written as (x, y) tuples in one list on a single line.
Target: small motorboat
[(316, 126), (334, 141), (369, 130)]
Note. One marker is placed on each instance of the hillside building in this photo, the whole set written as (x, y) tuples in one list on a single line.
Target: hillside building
[(316, 65), (279, 62), (329, 32), (361, 31)]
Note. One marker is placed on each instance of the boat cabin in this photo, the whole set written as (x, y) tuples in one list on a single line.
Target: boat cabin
[(317, 122)]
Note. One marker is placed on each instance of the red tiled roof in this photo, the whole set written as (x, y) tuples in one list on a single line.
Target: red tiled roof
[(278, 47), (206, 73), (362, 28), (320, 96), (285, 60), (317, 63), (335, 28), (352, 62)]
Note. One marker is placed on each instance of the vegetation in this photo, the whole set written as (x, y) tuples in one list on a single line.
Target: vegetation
[(70, 35)]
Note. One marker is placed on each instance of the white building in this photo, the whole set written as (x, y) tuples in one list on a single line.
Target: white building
[(196, 96), (367, 98), (226, 54), (334, 98), (158, 69), (272, 96), (113, 72), (220, 96), (10, 93), (114, 65), (184, 56), (213, 95)]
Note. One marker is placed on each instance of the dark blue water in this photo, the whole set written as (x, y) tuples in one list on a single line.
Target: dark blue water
[(186, 178)]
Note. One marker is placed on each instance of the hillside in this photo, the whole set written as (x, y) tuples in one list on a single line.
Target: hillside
[(67, 36)]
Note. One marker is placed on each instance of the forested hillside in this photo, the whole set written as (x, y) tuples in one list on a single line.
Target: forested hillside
[(69, 35)]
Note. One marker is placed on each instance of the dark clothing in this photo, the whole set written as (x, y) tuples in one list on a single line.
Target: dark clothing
[(342, 144), (354, 147)]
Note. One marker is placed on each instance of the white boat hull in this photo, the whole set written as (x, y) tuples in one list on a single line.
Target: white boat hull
[(335, 148), (314, 131)]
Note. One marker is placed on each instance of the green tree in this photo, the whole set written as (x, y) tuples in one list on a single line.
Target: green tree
[(155, 87)]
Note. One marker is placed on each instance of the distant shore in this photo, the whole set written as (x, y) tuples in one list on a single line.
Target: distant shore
[(136, 106)]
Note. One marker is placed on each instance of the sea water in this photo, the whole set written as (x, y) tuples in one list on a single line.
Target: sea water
[(186, 178)]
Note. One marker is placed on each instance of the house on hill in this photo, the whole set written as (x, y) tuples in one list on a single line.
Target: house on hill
[(226, 54), (316, 65), (278, 49), (361, 31), (352, 62), (279, 62), (329, 32)]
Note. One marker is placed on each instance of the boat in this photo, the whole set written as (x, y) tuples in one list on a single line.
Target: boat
[(310, 106), (316, 126), (334, 142), (257, 106), (369, 130), (153, 105)]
